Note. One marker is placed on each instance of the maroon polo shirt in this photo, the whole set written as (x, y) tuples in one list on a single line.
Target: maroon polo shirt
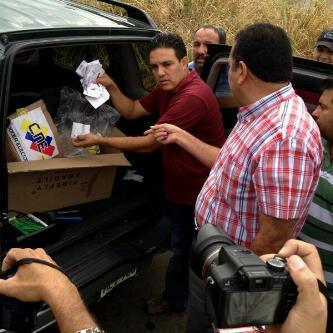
[(194, 108)]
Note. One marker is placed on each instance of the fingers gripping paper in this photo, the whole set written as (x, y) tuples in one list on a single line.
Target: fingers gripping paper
[(32, 136)]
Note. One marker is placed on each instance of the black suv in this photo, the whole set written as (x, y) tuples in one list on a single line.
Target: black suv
[(41, 45)]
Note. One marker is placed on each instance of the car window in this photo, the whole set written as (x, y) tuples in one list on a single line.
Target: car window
[(141, 51), (217, 79), (71, 57)]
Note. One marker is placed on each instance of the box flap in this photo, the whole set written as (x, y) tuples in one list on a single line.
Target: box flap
[(90, 161)]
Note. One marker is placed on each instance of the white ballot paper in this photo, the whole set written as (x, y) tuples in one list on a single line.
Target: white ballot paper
[(96, 94), (96, 102), (79, 129)]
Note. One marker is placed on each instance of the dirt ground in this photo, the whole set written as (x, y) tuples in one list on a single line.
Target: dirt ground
[(123, 310)]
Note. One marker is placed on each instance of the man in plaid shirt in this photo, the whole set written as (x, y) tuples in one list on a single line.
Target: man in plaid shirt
[(264, 177)]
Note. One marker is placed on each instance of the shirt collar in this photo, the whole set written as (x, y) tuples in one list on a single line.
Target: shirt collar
[(327, 163), (265, 103)]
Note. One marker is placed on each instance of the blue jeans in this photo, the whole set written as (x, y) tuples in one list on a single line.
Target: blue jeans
[(182, 232)]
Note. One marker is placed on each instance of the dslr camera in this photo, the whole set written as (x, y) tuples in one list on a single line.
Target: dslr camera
[(242, 290)]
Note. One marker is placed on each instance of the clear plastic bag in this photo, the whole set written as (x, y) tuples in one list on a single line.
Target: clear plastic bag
[(73, 107)]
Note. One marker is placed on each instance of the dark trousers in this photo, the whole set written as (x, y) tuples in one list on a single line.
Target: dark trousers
[(197, 318), (182, 232)]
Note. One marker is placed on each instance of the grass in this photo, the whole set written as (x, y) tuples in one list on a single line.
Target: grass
[(302, 19)]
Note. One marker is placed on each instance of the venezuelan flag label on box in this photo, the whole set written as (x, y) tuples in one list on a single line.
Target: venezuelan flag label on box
[(32, 137)]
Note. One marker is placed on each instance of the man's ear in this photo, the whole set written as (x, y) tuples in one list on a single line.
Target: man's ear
[(243, 72), (184, 61)]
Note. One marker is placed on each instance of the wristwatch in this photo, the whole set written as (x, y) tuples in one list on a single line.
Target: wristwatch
[(91, 330)]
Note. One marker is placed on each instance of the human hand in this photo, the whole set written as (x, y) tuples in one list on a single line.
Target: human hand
[(309, 314), (106, 81), (86, 140), (33, 282), (165, 133)]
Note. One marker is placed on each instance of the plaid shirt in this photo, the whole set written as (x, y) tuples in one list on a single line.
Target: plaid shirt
[(269, 164)]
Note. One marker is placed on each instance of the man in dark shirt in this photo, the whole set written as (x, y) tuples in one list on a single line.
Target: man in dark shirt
[(182, 99)]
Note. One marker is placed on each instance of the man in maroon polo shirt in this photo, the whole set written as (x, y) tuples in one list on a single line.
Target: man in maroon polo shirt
[(182, 99)]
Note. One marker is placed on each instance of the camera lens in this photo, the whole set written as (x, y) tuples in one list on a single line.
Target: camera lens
[(210, 239)]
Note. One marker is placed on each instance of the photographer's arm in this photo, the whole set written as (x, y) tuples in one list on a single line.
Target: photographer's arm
[(36, 282), (272, 234), (69, 310)]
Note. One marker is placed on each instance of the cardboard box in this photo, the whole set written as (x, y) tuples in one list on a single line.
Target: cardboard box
[(39, 186), (41, 139)]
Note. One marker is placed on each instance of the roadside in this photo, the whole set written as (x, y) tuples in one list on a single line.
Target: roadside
[(123, 310)]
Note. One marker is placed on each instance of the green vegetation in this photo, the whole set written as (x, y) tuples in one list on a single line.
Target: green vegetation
[(302, 19)]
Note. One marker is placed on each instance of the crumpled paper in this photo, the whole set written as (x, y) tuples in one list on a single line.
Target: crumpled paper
[(96, 94), (131, 175)]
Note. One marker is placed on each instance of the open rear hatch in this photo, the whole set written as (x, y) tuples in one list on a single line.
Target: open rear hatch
[(118, 235)]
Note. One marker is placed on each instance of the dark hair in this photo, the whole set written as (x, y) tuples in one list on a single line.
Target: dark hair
[(266, 51), (327, 84), (326, 35), (218, 29), (168, 40)]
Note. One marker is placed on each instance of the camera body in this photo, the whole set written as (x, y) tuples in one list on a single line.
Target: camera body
[(242, 289)]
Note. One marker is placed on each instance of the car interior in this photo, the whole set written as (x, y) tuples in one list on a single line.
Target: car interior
[(111, 226)]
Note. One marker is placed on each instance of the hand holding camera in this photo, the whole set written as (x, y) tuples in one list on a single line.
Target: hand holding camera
[(309, 314), (243, 290)]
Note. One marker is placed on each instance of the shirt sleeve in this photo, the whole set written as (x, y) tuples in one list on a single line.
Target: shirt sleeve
[(150, 101), (285, 179), (185, 112)]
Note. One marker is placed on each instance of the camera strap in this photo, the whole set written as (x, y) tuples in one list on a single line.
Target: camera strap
[(209, 306), (26, 261), (323, 290)]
